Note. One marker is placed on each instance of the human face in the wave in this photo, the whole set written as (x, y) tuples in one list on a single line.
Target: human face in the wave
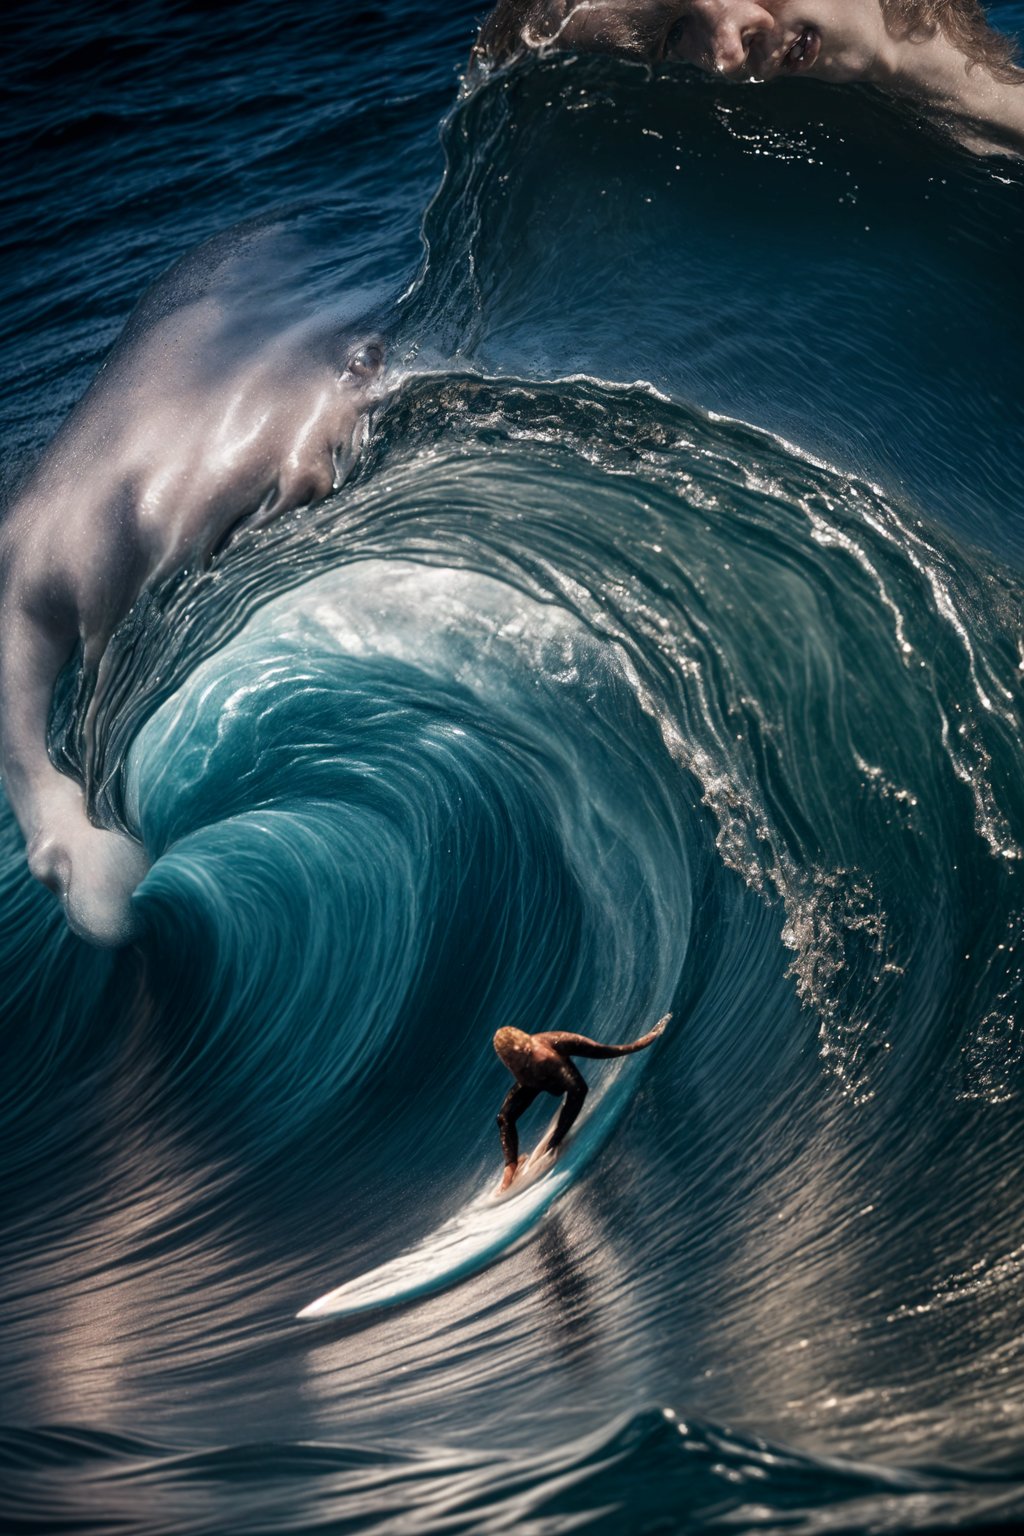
[(835, 40), (713, 34)]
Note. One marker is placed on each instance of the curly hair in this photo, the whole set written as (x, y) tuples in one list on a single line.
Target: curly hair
[(963, 22), (518, 26), (515, 27)]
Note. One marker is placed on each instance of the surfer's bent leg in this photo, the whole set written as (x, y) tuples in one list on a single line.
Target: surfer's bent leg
[(517, 1100), (575, 1090)]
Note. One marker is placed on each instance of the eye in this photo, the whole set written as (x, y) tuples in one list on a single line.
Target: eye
[(366, 360), (676, 33)]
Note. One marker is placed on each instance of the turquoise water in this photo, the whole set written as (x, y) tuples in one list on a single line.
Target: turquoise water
[(664, 651)]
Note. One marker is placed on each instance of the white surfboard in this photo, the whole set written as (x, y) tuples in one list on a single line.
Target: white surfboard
[(491, 1225)]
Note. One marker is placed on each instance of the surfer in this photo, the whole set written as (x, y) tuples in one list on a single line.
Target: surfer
[(542, 1064)]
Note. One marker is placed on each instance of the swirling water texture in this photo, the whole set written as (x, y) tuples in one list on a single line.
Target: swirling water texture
[(576, 702)]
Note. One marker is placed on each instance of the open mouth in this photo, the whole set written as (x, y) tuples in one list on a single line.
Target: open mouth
[(802, 54)]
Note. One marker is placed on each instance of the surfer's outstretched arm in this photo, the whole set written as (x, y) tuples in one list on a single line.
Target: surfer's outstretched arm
[(580, 1045)]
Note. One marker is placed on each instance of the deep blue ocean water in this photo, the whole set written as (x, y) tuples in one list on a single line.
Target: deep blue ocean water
[(664, 651)]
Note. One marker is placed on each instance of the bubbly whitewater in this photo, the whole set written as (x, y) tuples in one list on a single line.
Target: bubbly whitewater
[(664, 652)]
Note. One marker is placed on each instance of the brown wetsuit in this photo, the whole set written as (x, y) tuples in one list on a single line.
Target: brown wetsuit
[(541, 1064)]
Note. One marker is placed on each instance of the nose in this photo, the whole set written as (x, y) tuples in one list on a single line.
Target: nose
[(734, 34)]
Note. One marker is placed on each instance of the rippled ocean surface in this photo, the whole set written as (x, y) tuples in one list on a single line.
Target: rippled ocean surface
[(664, 651)]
